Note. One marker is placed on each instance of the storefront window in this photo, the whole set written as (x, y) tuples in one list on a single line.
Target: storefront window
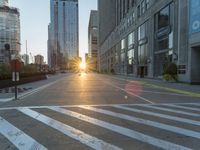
[(122, 57), (142, 48), (141, 32), (131, 40), (123, 43), (142, 54)]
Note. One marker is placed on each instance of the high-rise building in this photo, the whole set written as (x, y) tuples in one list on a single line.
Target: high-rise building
[(25, 59), (148, 35), (107, 23), (39, 60), (9, 32), (3, 2), (63, 42), (93, 39)]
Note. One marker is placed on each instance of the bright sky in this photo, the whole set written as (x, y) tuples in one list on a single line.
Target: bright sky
[(35, 17)]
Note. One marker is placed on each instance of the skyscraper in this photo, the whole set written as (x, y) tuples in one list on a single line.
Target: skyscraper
[(9, 32), (93, 39), (63, 43), (4, 2)]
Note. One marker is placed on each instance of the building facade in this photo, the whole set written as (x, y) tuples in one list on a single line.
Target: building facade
[(63, 42), (93, 40), (39, 60), (148, 34), (9, 32), (25, 59)]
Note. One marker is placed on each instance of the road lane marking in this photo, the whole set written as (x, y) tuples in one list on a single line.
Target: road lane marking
[(18, 138), (145, 122), (178, 91), (78, 135), (130, 93), (171, 110), (162, 93), (122, 130), (188, 121), (154, 92), (183, 107)]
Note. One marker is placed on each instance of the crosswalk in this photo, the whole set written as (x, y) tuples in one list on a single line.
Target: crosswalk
[(102, 127)]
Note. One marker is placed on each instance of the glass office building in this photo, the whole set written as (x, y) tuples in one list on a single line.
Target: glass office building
[(9, 31), (63, 41), (143, 36)]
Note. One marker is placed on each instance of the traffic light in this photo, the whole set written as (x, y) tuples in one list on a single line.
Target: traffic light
[(7, 47)]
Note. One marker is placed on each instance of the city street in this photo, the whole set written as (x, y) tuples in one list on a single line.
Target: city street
[(95, 111)]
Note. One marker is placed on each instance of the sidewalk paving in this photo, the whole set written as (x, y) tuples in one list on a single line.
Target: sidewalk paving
[(7, 94), (180, 88)]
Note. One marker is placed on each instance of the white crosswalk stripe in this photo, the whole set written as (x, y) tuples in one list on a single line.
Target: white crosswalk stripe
[(146, 122), (188, 121), (121, 130), (69, 131), (183, 107), (119, 112), (172, 110), (21, 140)]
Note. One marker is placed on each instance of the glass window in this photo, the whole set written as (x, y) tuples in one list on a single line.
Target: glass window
[(116, 57), (163, 18), (130, 54), (141, 32), (147, 4), (122, 57), (133, 17), (133, 2), (131, 39), (142, 54), (163, 44), (138, 11), (123, 44), (143, 7)]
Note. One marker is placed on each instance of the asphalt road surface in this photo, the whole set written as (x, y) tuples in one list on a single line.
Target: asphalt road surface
[(92, 111)]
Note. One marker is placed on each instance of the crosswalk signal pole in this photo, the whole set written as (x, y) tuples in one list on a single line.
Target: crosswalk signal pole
[(15, 80), (15, 65)]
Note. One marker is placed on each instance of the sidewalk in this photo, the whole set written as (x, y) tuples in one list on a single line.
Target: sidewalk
[(180, 88), (8, 94)]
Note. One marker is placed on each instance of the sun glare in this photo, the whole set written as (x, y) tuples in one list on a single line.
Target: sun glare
[(82, 66)]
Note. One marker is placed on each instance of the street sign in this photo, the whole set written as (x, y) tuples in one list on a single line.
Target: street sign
[(15, 76), (15, 65)]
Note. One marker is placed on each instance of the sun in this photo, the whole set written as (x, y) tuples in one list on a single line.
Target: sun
[(82, 66)]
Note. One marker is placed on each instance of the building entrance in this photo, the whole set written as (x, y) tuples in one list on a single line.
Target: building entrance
[(195, 65)]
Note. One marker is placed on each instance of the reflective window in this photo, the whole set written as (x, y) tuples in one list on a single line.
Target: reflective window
[(143, 7), (131, 40), (142, 54), (138, 11), (123, 44), (147, 4), (141, 32), (163, 18)]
